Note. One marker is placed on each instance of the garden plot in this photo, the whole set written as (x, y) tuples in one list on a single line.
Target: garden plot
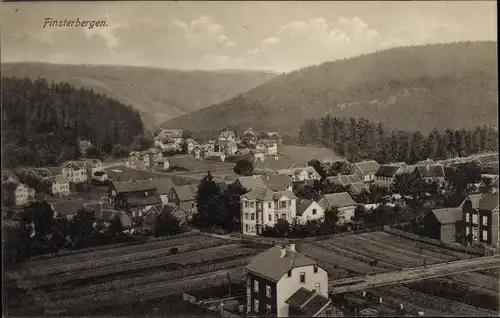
[(114, 252), (367, 248), (181, 259), (345, 263)]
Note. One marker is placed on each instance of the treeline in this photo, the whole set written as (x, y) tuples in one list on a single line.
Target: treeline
[(358, 139), (42, 122)]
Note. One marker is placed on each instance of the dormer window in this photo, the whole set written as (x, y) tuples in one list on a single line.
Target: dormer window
[(315, 269), (289, 273)]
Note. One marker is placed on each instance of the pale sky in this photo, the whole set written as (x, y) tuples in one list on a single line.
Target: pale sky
[(279, 36)]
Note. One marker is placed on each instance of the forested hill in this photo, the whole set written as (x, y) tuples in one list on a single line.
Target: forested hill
[(411, 88), (158, 94), (41, 123)]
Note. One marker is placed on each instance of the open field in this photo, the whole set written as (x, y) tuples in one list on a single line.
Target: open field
[(391, 252), (124, 275), (302, 154), (198, 165)]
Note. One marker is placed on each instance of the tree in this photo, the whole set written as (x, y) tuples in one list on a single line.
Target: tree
[(244, 167), (116, 226), (331, 219), (93, 152), (208, 200), (318, 167), (231, 204), (166, 224), (296, 229), (359, 212), (408, 184), (38, 220), (82, 228), (282, 227)]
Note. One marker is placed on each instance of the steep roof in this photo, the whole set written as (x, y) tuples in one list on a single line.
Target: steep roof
[(186, 192), (273, 163), (430, 171), (163, 185), (69, 207), (302, 205), (252, 182), (448, 215), (277, 182), (337, 200), (60, 179), (135, 185), (387, 171), (265, 194), (370, 166), (308, 302), (298, 170), (271, 265), (474, 198), (488, 201)]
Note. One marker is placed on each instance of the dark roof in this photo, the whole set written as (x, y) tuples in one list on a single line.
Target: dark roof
[(186, 192), (163, 185), (265, 194), (302, 205), (99, 173), (277, 182), (448, 215), (143, 198), (387, 171), (271, 265), (368, 166), (488, 201), (308, 301), (251, 182), (135, 185), (273, 163), (430, 171), (69, 207), (474, 198), (337, 200)]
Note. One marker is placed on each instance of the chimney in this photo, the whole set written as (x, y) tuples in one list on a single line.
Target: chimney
[(380, 300), (401, 306), (283, 252), (292, 248), (364, 293)]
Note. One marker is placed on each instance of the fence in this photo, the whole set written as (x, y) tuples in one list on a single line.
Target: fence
[(463, 249), (105, 247), (275, 241)]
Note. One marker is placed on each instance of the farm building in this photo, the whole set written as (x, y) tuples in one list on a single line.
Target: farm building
[(430, 173), (480, 217), (443, 224), (282, 283)]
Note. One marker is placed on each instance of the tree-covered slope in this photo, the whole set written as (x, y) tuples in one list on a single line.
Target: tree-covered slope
[(158, 94), (41, 123), (412, 88)]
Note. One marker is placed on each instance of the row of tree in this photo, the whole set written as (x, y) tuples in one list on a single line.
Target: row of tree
[(358, 139), (39, 232), (42, 123)]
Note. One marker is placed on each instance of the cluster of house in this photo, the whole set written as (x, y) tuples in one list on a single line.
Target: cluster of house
[(150, 158), (18, 188)]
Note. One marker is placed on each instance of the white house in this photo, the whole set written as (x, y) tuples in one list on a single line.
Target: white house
[(284, 283), (100, 176), (75, 171), (263, 207), (227, 135), (301, 173), (366, 171), (343, 201), (163, 164), (308, 210), (59, 186), (384, 177), (17, 193)]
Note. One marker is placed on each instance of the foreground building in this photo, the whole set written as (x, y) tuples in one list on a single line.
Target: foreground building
[(480, 218), (283, 283)]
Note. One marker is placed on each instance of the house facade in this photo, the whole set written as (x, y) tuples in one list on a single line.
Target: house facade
[(343, 202), (430, 173), (308, 210), (444, 224), (480, 219), (385, 175), (16, 194), (75, 171), (262, 207), (174, 134), (59, 186), (249, 136), (134, 197), (274, 278), (227, 135), (366, 171), (301, 173), (184, 197)]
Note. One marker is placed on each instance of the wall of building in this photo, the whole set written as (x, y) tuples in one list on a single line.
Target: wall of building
[(308, 213), (287, 286), (260, 295), (448, 233)]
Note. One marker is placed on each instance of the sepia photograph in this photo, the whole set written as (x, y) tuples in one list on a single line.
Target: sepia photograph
[(249, 159)]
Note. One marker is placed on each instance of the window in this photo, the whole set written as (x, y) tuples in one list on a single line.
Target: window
[(246, 216), (277, 216), (282, 204), (270, 217), (246, 228), (315, 269), (467, 217), (252, 216), (314, 211), (485, 236), (283, 216), (268, 309), (256, 305), (474, 218), (256, 286), (317, 288), (252, 205), (268, 291), (246, 204), (302, 278), (275, 205), (485, 220), (467, 230), (289, 273), (269, 205), (249, 282)]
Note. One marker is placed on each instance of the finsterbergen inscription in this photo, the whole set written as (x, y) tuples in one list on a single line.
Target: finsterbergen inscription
[(66, 23)]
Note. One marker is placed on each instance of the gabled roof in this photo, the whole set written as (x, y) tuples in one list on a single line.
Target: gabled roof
[(186, 192), (277, 182), (273, 163), (302, 205), (370, 166), (70, 207), (474, 198), (343, 179), (163, 185), (430, 171), (296, 171), (54, 170), (388, 171), (336, 200), (488, 201), (251, 182), (308, 302), (448, 215), (135, 185), (60, 179), (271, 265)]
